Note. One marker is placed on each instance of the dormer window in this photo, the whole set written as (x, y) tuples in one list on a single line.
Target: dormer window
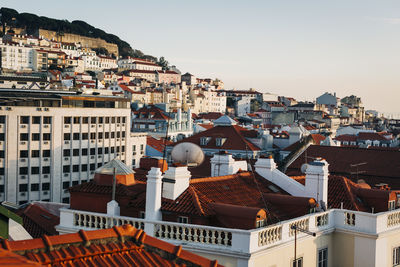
[(183, 219), (261, 223), (220, 141), (204, 140)]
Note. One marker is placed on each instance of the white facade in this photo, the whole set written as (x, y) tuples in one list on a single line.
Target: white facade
[(138, 142), (17, 57), (46, 150), (208, 100)]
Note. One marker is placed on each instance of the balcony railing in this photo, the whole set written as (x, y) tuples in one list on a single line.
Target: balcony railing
[(247, 241)]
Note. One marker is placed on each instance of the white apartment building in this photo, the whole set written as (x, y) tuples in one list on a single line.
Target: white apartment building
[(207, 100), (17, 57), (107, 63), (91, 62), (130, 63), (138, 142), (50, 141)]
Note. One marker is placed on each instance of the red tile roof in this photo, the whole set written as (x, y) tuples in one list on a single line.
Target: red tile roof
[(206, 126), (117, 246), (382, 165), (38, 221), (372, 136), (152, 113), (157, 144), (234, 134), (10, 259), (209, 115), (346, 137)]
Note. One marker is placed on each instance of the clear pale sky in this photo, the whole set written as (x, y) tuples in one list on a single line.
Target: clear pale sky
[(298, 48)]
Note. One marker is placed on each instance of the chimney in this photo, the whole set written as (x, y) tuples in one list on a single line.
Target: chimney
[(153, 195), (317, 181), (265, 164), (175, 182), (224, 164)]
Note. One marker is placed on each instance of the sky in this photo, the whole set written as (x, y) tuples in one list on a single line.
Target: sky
[(294, 48)]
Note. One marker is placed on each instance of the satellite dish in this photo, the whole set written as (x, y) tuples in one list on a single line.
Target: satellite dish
[(303, 168), (187, 153)]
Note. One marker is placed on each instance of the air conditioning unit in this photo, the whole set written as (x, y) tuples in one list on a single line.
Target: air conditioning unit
[(45, 192), (66, 174), (22, 142), (118, 125), (92, 141), (117, 139), (66, 125), (22, 177), (23, 126), (92, 126), (23, 160), (46, 159), (99, 156), (134, 153), (23, 194), (123, 125), (46, 142), (46, 109), (66, 142), (46, 126), (39, 109), (66, 158)]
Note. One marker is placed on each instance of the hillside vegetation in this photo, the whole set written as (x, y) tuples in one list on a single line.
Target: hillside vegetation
[(32, 23)]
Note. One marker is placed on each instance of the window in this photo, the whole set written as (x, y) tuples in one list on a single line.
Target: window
[(1, 171), (35, 153), (219, 141), (46, 186), (84, 151), (35, 170), (76, 136), (92, 167), (45, 170), (118, 134), (112, 119), (101, 119), (112, 134), (23, 154), (75, 168), (34, 187), (99, 165), (85, 136), (2, 119), (46, 120), (47, 136), (66, 153), (298, 262), (112, 150), (118, 119), (142, 214), (100, 150), (67, 136), (67, 120), (1, 137), (392, 205), (1, 188), (35, 137), (46, 153), (84, 167), (107, 135), (183, 219), (75, 152), (134, 148), (123, 119), (74, 183), (107, 119), (66, 168), (65, 200), (65, 185), (24, 137), (77, 120), (323, 257), (100, 135), (23, 187), (23, 170), (93, 120), (24, 120), (203, 141), (396, 256), (36, 120), (85, 120)]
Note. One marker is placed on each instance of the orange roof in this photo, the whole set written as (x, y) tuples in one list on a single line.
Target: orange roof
[(157, 144), (38, 221), (117, 246)]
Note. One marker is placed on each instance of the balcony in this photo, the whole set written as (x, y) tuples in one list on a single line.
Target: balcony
[(236, 240)]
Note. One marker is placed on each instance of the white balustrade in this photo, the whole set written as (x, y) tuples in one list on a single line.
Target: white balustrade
[(269, 235), (302, 224), (393, 219), (195, 233)]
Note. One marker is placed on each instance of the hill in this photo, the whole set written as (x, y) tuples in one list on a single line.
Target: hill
[(31, 23)]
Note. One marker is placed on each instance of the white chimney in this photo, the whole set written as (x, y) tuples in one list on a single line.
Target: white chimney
[(153, 195), (113, 208), (317, 181), (176, 181), (224, 164), (265, 164)]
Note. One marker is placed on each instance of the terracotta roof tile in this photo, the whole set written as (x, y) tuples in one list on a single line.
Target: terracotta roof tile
[(117, 246), (157, 144)]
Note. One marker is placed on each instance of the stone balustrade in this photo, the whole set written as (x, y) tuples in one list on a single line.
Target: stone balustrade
[(237, 240)]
